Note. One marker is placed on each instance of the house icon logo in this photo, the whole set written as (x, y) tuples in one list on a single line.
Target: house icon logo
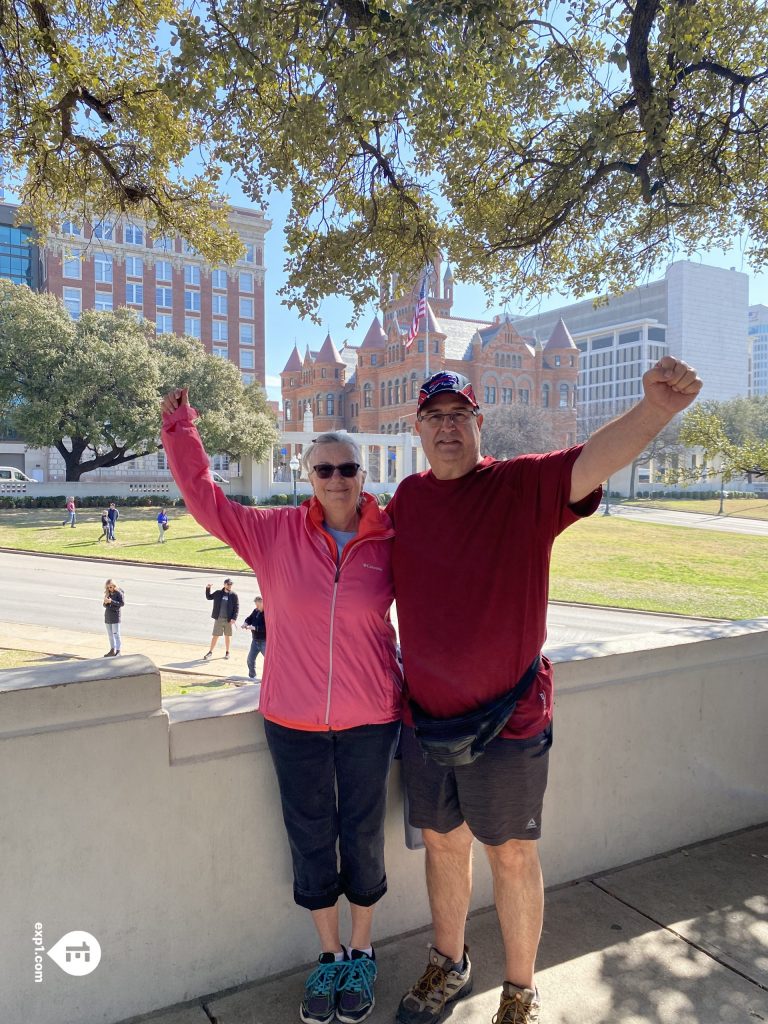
[(77, 953)]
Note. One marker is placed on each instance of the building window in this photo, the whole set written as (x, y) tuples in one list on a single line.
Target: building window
[(626, 337), (103, 229), (288, 411), (246, 334), (191, 274), (192, 301), (161, 463), (69, 227), (134, 294), (250, 252), (246, 309), (163, 270), (102, 302), (420, 344), (219, 304), (133, 234), (563, 396), (247, 359), (164, 323), (368, 396), (164, 297), (557, 360), (383, 394), (389, 393), (192, 326), (490, 395), (506, 396), (374, 360), (134, 266), (221, 351), (188, 248), (246, 281), (329, 404), (72, 265), (545, 396), (220, 330), (73, 300), (219, 279), (163, 243), (523, 396), (102, 267), (248, 378)]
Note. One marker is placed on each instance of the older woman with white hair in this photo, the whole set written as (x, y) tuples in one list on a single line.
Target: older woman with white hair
[(331, 686)]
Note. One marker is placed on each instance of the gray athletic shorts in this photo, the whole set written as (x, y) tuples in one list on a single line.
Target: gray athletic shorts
[(500, 795), (222, 627)]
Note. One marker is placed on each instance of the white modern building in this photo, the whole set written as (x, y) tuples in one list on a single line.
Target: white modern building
[(757, 350), (696, 312)]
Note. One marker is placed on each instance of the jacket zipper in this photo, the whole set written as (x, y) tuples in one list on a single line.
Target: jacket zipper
[(344, 560)]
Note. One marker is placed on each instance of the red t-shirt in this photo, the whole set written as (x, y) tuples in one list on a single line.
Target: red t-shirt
[(471, 567)]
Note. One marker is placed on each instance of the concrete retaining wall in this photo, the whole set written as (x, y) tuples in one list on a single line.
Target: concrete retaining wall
[(162, 836)]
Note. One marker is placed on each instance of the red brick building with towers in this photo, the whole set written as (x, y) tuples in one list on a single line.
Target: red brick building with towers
[(372, 387)]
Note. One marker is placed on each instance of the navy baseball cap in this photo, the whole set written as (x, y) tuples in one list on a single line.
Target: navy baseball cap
[(444, 382)]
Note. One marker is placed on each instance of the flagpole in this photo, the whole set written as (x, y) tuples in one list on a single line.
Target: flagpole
[(427, 273)]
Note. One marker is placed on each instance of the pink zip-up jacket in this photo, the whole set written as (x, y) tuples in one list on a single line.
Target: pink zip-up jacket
[(330, 656)]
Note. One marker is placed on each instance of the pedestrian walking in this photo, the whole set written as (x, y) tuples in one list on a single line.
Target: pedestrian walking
[(258, 627), (114, 599), (112, 515), (226, 605), (162, 525), (71, 513)]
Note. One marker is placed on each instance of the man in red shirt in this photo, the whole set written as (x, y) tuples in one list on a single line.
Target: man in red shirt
[(473, 538)]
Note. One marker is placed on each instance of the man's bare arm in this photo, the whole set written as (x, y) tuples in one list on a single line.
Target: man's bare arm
[(669, 387)]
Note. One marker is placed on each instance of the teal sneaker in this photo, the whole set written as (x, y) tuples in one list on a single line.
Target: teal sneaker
[(319, 1003), (355, 988)]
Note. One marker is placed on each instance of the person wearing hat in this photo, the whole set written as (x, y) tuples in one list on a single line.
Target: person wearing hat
[(473, 538), (331, 689), (225, 608)]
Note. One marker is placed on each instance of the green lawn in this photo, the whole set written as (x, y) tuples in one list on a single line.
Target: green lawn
[(608, 560), (40, 530), (737, 508), (171, 683), (604, 560)]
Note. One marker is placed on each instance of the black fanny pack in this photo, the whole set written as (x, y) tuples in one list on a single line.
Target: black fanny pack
[(461, 740)]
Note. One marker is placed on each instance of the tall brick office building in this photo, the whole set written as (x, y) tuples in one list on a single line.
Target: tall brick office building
[(372, 387), (119, 262)]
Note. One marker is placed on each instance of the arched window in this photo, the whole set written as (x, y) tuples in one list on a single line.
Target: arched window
[(404, 391), (383, 394), (368, 395), (414, 386), (545, 396), (389, 392), (329, 404), (563, 396), (288, 411)]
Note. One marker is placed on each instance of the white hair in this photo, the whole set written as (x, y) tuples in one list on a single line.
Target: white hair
[(333, 437)]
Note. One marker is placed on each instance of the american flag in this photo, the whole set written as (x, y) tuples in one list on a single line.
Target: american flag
[(419, 311)]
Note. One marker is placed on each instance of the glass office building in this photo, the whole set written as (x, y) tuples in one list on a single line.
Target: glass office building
[(17, 254)]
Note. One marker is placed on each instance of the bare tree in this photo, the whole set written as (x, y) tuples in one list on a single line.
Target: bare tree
[(510, 430)]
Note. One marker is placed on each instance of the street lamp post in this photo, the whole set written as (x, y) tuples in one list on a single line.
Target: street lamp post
[(295, 466)]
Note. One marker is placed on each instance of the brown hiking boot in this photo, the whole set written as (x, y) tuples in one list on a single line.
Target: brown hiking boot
[(518, 1006), (440, 984)]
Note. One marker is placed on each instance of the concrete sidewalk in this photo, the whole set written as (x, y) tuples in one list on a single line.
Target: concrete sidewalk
[(166, 654), (679, 939)]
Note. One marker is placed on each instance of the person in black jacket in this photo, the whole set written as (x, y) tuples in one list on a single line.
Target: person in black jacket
[(225, 608), (258, 627)]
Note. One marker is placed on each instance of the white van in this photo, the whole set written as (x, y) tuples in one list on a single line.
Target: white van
[(11, 475)]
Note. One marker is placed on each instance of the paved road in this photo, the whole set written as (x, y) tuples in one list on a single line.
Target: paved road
[(692, 520), (169, 604)]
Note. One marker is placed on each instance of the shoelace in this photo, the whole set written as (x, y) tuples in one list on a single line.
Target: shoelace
[(322, 980), (431, 982), (358, 976), (512, 1011)]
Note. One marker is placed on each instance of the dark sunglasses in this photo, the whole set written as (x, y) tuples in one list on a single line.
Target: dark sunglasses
[(325, 469)]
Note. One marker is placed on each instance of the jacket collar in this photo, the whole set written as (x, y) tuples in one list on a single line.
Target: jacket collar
[(374, 521)]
